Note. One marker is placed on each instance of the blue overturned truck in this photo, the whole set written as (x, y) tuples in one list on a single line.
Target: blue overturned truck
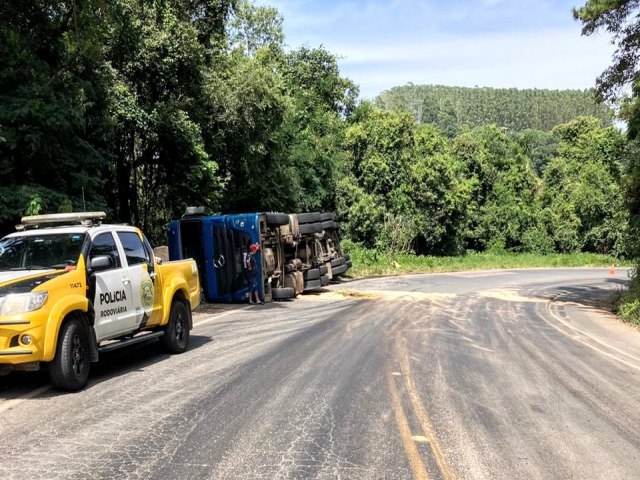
[(298, 252)]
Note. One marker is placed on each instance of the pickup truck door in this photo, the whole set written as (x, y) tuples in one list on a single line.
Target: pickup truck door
[(140, 270), (111, 290)]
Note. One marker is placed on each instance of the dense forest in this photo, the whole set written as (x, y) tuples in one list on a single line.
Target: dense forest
[(454, 109), (143, 108)]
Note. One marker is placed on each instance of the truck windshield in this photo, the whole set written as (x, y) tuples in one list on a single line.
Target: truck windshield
[(40, 252)]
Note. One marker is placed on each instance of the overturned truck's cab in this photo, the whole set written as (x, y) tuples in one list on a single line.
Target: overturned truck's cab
[(219, 245)]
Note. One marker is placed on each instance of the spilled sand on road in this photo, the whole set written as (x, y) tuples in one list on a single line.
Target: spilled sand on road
[(375, 295), (508, 296)]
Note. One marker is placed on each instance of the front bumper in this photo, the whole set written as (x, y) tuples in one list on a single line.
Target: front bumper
[(14, 349)]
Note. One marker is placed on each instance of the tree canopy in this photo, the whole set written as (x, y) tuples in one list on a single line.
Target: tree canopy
[(143, 108)]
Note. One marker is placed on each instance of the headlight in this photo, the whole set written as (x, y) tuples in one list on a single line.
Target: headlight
[(21, 303)]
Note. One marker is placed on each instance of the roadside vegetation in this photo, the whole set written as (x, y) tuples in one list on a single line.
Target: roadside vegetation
[(142, 108), (368, 262)]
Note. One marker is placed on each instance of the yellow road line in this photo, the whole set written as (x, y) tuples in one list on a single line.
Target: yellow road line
[(418, 470), (421, 413)]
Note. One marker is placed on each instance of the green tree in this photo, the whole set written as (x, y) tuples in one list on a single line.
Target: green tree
[(407, 173), (582, 189)]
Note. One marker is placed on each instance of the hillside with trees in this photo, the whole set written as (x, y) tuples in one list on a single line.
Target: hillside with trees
[(455, 109)]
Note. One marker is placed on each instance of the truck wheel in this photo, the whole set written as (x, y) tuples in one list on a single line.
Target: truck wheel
[(328, 225), (336, 262), (277, 219), (312, 274), (339, 270), (327, 216), (283, 293), (310, 217), (324, 280), (69, 369), (312, 285), (176, 332), (323, 270), (309, 228)]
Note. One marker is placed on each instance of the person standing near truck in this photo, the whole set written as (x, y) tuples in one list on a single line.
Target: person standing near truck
[(251, 274)]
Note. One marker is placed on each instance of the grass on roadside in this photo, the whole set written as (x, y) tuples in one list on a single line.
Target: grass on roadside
[(373, 262)]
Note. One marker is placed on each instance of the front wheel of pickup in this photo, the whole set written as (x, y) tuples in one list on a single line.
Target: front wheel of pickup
[(69, 369), (176, 333)]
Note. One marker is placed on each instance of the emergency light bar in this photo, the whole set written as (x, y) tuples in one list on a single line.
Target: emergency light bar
[(81, 218)]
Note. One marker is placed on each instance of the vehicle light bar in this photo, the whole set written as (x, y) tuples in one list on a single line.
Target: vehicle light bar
[(82, 218)]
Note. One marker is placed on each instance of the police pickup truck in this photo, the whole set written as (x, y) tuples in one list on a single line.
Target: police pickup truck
[(72, 288)]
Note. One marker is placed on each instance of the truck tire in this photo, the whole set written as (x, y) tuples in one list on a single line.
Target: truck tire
[(347, 257), (312, 285), (310, 217), (323, 269), (313, 274), (310, 228), (327, 216), (282, 293), (70, 367), (277, 219), (176, 332), (339, 270), (329, 225), (336, 262), (349, 264), (324, 280)]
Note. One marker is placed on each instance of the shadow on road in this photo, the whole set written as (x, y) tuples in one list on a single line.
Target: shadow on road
[(114, 364), (598, 296)]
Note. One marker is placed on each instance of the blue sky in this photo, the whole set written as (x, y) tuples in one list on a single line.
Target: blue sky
[(493, 43)]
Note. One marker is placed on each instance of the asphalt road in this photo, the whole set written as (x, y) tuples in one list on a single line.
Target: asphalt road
[(481, 375)]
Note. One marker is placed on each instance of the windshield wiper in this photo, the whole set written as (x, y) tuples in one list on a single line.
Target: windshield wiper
[(30, 267)]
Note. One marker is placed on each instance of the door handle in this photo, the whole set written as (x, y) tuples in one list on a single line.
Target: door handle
[(126, 281)]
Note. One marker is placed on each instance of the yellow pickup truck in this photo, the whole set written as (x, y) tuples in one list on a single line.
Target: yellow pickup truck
[(72, 288)]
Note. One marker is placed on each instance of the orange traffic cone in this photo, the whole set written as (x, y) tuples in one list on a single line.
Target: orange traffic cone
[(612, 269)]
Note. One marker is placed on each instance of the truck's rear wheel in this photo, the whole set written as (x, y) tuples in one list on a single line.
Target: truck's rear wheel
[(283, 293), (176, 333), (277, 219), (69, 369)]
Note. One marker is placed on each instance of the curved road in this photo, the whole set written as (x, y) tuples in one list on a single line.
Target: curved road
[(483, 375)]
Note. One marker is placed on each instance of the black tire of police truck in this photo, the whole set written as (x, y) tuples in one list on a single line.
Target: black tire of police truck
[(70, 367), (327, 216), (277, 219), (282, 293), (323, 269), (309, 217), (176, 332), (324, 280)]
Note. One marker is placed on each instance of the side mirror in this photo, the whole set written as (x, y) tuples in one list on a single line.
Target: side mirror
[(101, 262)]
